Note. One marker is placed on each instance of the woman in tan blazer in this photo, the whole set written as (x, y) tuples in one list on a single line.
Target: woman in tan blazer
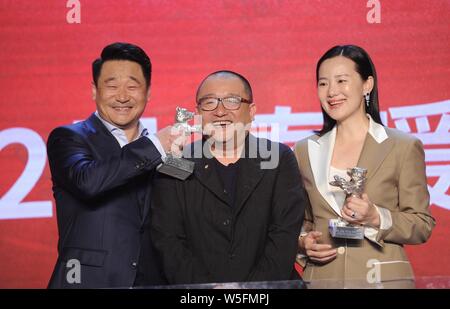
[(394, 208)]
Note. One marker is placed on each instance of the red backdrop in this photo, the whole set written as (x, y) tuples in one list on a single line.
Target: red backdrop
[(47, 48)]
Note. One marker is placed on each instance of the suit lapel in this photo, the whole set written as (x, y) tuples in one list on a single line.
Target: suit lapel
[(373, 154), (249, 173), (320, 152), (106, 145), (147, 198), (102, 140), (207, 175), (248, 177), (205, 172)]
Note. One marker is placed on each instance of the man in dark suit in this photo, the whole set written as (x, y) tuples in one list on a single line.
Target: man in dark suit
[(238, 216), (102, 170)]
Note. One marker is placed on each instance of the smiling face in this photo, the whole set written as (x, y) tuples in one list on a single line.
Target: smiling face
[(221, 124), (341, 89), (121, 93)]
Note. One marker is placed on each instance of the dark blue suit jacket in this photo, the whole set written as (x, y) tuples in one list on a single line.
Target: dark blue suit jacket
[(102, 196)]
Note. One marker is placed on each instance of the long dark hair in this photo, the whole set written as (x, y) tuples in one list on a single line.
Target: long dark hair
[(364, 66)]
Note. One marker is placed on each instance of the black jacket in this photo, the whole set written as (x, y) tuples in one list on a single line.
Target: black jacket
[(201, 238), (102, 196)]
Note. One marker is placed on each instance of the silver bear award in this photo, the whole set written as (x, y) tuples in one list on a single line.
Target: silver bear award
[(176, 166), (340, 228)]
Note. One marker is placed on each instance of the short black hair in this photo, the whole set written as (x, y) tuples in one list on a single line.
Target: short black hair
[(226, 73), (365, 68), (123, 51)]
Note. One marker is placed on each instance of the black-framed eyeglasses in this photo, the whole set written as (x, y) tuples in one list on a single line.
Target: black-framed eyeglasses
[(230, 103)]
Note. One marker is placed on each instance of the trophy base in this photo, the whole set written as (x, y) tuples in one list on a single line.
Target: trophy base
[(340, 229), (177, 167)]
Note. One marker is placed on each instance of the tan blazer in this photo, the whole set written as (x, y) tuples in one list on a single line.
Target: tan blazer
[(396, 181)]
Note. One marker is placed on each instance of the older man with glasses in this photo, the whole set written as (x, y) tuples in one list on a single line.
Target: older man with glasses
[(234, 219)]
